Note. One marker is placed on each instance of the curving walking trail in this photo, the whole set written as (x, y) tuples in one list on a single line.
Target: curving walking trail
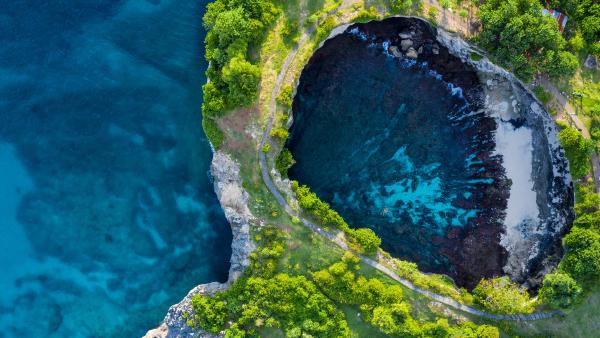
[(562, 100), (339, 241)]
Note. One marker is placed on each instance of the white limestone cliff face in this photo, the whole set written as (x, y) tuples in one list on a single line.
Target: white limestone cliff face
[(234, 201)]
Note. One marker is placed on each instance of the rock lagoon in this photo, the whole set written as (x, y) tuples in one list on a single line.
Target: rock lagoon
[(450, 160)]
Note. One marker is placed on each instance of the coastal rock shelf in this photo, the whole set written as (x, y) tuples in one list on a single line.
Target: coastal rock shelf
[(450, 160)]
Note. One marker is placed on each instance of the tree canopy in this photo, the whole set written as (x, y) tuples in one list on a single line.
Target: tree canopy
[(232, 26), (501, 295), (559, 290), (525, 40), (578, 151)]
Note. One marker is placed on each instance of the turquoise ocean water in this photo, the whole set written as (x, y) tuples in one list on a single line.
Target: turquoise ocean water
[(107, 211)]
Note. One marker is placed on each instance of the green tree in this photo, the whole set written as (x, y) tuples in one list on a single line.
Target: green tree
[(284, 161), (229, 26), (582, 258), (291, 303), (576, 43), (401, 6), (578, 151), (213, 100), (242, 79), (210, 314), (501, 295), (366, 238), (588, 14), (559, 290), (521, 37), (561, 63)]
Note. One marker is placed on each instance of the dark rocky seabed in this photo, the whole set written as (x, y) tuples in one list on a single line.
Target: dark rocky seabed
[(397, 145), (107, 212)]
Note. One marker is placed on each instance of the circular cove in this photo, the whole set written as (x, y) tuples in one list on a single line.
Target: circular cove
[(397, 143)]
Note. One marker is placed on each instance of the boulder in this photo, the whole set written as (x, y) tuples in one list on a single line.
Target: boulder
[(412, 53), (395, 51), (406, 44)]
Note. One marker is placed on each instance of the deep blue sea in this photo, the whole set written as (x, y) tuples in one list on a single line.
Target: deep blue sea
[(107, 211)]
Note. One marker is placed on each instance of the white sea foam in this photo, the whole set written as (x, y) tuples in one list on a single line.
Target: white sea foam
[(516, 148)]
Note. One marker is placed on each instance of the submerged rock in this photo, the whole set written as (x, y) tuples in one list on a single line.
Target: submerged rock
[(485, 193)]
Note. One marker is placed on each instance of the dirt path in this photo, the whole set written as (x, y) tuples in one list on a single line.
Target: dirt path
[(337, 239), (562, 100)]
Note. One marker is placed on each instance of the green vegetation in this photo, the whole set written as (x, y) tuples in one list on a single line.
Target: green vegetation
[(542, 94), (231, 25), (432, 14), (437, 283), (291, 303), (559, 290), (363, 240), (284, 161), (582, 259), (402, 6), (321, 211), (520, 37), (383, 306), (578, 151), (366, 239), (584, 16), (501, 295)]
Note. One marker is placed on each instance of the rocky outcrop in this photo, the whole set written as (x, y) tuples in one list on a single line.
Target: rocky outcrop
[(234, 201)]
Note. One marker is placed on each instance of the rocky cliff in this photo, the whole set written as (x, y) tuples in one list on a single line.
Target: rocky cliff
[(234, 201)]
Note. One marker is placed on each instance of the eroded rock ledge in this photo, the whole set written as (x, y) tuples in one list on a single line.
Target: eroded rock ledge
[(234, 201)]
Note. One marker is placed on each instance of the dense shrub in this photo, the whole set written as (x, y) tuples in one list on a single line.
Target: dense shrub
[(242, 80), (366, 238), (582, 259), (284, 161), (559, 290), (285, 96), (382, 305), (291, 303), (522, 38), (232, 26), (542, 94), (578, 151), (309, 201), (501, 295), (213, 132), (401, 6)]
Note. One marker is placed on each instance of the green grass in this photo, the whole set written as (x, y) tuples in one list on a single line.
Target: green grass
[(358, 327), (581, 321)]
